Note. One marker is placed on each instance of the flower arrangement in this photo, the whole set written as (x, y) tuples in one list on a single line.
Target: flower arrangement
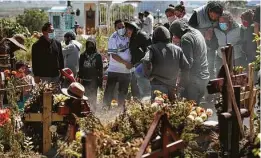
[(124, 136)]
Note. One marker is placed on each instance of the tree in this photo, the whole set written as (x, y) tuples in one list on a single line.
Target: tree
[(33, 19), (8, 28)]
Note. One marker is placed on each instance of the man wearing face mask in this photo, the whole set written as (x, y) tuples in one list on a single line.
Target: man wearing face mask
[(229, 31), (194, 48), (71, 52), (249, 46), (47, 56), (119, 65), (205, 19), (170, 14)]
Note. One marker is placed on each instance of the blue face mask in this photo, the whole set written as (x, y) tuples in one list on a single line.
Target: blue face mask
[(51, 35), (223, 26)]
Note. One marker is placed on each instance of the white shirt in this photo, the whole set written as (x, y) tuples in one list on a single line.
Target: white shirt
[(118, 45), (148, 24)]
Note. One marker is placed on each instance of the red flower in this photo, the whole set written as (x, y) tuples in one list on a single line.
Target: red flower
[(165, 96), (7, 71), (4, 116)]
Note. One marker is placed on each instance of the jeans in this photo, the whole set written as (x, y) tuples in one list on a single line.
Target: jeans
[(50, 79), (195, 89), (123, 79), (143, 85)]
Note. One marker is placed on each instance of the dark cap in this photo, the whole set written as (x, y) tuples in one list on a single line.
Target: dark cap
[(132, 25), (70, 35)]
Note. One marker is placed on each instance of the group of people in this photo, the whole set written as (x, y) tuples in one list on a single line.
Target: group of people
[(181, 55)]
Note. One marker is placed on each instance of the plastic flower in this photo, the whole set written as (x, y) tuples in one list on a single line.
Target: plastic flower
[(200, 110), (194, 114), (155, 104), (53, 128), (7, 78), (209, 112), (7, 71), (159, 100), (190, 119), (114, 103), (157, 93), (204, 116), (78, 135), (4, 116), (14, 72), (165, 96), (198, 121)]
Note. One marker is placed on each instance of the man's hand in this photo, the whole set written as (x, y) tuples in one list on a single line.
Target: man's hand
[(37, 79), (209, 34), (129, 65)]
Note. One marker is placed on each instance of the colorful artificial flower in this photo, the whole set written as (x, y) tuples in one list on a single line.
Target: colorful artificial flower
[(14, 72), (190, 118), (53, 128), (79, 135), (204, 116), (194, 114), (209, 112), (7, 71), (198, 121), (114, 103), (4, 116), (165, 96)]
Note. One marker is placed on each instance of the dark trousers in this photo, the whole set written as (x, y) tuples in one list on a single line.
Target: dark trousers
[(195, 89), (91, 88), (124, 80), (134, 86)]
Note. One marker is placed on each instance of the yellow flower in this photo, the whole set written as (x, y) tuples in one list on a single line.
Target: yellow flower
[(78, 135)]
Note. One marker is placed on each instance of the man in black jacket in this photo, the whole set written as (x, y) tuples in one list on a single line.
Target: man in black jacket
[(47, 57), (139, 42)]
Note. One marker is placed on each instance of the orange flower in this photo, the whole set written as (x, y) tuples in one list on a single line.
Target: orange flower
[(7, 78), (14, 72)]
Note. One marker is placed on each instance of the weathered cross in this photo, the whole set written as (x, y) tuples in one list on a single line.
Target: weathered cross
[(47, 117), (166, 130), (230, 117)]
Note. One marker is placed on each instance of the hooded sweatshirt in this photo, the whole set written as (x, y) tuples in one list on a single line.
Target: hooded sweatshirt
[(194, 47), (71, 54), (166, 58), (90, 65)]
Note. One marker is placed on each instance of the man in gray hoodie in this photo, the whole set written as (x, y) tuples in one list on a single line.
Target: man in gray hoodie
[(162, 63), (71, 52), (194, 47)]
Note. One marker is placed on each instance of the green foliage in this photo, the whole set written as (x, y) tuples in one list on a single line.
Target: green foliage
[(122, 12), (8, 28), (33, 19), (26, 56)]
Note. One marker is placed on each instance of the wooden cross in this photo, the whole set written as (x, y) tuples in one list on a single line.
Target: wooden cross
[(166, 130), (230, 118), (47, 117)]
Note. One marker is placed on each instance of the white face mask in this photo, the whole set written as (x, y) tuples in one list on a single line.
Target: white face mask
[(121, 32), (171, 18), (51, 35)]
